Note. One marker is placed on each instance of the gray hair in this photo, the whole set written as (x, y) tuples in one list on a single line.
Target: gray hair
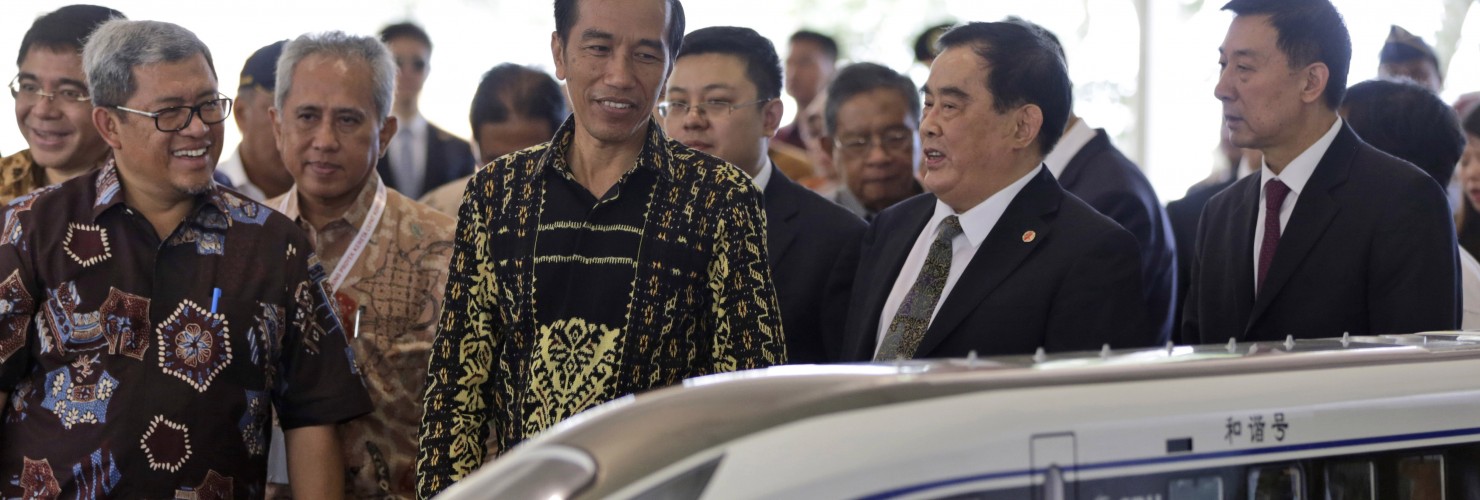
[(119, 46), (340, 45)]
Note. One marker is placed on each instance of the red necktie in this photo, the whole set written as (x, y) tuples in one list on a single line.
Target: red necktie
[(1274, 198)]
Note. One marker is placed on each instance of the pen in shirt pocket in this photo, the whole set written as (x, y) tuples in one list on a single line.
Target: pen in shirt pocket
[(215, 298)]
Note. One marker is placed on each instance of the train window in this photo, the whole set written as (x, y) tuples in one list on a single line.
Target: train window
[(1421, 478), (1202, 488), (1281, 482), (1351, 481)]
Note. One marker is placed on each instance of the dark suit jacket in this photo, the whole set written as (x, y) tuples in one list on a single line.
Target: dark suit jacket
[(1075, 286), (806, 237), (448, 159), (1369, 249), (1184, 214), (1105, 179)]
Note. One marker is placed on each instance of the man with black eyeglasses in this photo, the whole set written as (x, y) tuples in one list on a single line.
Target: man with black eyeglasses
[(52, 106), (873, 115), (152, 321), (723, 100)]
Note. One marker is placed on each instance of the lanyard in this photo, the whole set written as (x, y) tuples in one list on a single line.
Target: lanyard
[(362, 239)]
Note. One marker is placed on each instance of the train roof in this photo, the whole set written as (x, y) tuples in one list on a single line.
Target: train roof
[(709, 411)]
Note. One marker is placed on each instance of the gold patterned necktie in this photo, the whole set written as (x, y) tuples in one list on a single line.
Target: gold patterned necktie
[(913, 318)]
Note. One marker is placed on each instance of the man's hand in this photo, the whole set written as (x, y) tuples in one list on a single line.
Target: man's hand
[(315, 466)]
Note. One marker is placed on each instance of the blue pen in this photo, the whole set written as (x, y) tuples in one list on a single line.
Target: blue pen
[(215, 297)]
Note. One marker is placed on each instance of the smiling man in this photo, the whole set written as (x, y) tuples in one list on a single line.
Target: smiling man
[(1332, 236), (386, 255), (608, 262), (52, 106), (153, 322), (724, 99), (997, 258)]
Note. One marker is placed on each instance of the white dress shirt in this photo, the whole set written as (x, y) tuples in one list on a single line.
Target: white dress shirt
[(233, 169), (976, 224), (1295, 175), (408, 152), (763, 178), (1069, 145)]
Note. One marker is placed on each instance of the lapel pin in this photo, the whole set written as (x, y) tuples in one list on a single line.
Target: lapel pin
[(1029, 236)]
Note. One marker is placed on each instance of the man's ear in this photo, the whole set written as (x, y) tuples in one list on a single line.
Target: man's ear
[(387, 132), (557, 52), (108, 126), (771, 116), (1028, 123), (1316, 75)]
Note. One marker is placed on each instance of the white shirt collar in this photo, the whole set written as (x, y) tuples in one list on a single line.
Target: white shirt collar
[(1069, 145), (978, 221), (764, 177), (1298, 172)]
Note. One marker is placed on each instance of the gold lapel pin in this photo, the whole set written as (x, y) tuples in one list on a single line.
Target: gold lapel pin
[(1029, 236)]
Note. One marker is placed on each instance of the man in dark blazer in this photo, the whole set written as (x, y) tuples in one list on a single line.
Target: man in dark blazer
[(1332, 236), (723, 99), (1089, 166), (997, 258), (422, 157)]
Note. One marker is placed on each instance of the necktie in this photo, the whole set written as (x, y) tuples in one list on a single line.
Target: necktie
[(1274, 198), (913, 318)]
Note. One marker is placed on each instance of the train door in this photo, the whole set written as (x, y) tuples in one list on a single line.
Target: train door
[(1055, 467)]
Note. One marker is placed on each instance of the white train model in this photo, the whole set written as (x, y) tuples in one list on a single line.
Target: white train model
[(1390, 417)]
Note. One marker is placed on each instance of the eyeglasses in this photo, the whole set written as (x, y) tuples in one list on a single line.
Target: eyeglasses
[(679, 109), (30, 92), (896, 141), (176, 118)]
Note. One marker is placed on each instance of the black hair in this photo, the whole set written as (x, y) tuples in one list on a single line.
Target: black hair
[(925, 45), (1023, 67), (762, 65), (1408, 121), (1310, 31), (66, 28), (829, 46), (864, 77), (407, 29), (532, 93), (566, 13)]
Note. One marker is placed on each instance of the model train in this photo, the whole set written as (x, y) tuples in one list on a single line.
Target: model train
[(1353, 418)]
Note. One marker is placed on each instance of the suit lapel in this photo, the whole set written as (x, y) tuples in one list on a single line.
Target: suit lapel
[(998, 257), (1242, 224), (892, 255), (431, 176), (1313, 212), (781, 211)]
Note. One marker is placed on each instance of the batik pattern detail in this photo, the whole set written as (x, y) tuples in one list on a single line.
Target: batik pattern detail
[(75, 402), (15, 317), (254, 423), (243, 210), (86, 244), (13, 231), (107, 185), (38, 480), (69, 329), (20, 402), (194, 345), (166, 444), (126, 323), (96, 477), (214, 487)]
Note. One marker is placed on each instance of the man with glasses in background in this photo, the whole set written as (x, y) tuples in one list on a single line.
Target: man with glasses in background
[(151, 321), (873, 114), (723, 99), (52, 104)]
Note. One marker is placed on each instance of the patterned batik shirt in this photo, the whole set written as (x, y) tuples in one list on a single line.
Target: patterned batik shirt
[(396, 286), (19, 174), (558, 301), (141, 368)]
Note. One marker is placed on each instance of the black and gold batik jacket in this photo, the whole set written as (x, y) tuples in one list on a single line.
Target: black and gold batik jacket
[(558, 301)]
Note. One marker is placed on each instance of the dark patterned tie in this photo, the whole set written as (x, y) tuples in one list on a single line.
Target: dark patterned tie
[(1274, 198), (913, 319)]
